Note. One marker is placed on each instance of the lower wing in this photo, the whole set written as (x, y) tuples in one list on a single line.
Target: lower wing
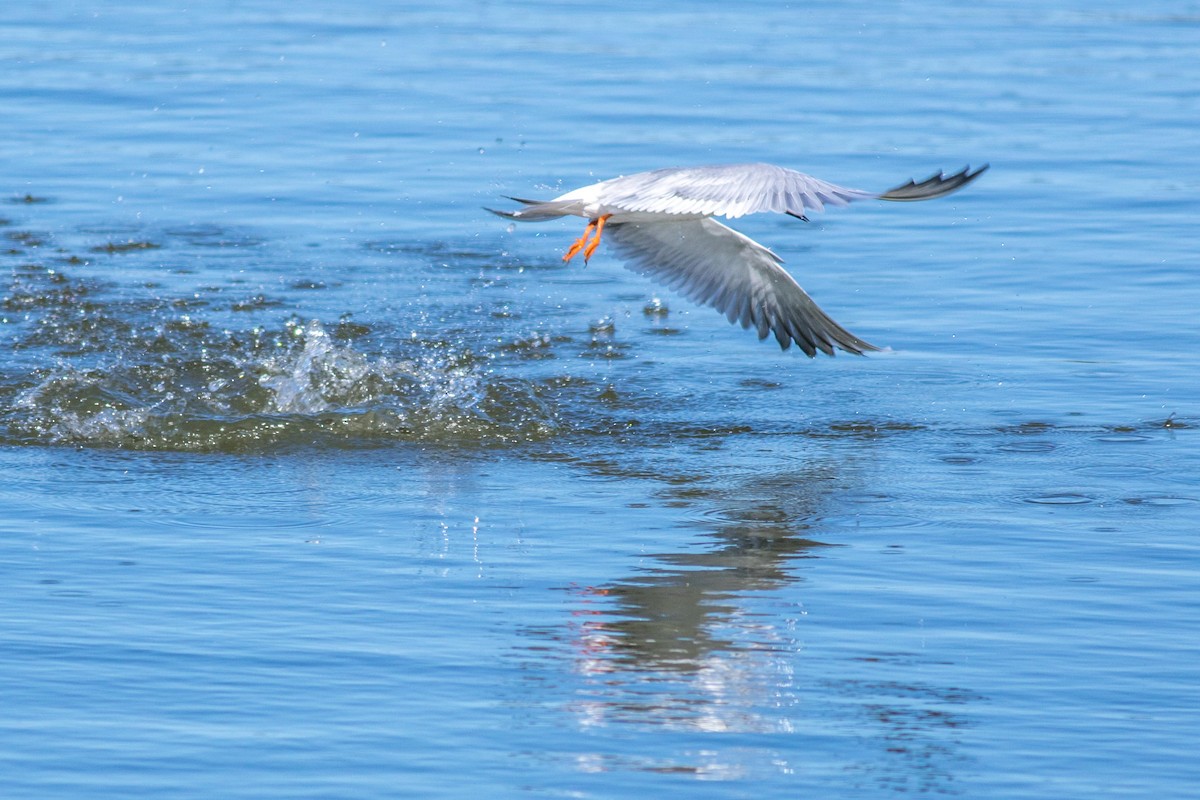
[(716, 266)]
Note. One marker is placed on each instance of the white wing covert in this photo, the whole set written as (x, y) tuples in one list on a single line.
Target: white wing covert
[(728, 190), (716, 266)]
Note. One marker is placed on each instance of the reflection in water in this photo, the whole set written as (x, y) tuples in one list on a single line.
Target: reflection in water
[(664, 618), (711, 642)]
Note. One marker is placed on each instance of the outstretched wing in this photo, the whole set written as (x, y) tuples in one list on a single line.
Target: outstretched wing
[(716, 266), (734, 190), (728, 190)]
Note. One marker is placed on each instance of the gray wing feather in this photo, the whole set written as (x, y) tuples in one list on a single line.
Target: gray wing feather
[(536, 210), (729, 190), (716, 266)]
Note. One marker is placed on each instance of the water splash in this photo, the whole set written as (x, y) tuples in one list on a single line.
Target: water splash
[(311, 381), (299, 387)]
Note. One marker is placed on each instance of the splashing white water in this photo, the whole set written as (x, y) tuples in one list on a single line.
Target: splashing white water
[(303, 388), (300, 382)]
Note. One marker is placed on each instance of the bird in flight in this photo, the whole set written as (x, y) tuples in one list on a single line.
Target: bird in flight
[(661, 224)]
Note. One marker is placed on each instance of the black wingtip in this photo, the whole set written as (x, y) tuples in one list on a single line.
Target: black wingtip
[(854, 346), (828, 341), (938, 185)]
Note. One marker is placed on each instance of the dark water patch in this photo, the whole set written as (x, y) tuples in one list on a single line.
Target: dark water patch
[(535, 346), (26, 239), (709, 431), (961, 461), (1163, 500), (1143, 430), (34, 287), (760, 383), (193, 303), (1032, 427), (307, 285), (689, 494), (347, 330), (216, 236), (863, 429), (1048, 435), (28, 199), (90, 329), (256, 303), (128, 246), (600, 348), (112, 229)]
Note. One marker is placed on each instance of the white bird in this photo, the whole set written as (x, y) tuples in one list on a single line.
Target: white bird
[(660, 222)]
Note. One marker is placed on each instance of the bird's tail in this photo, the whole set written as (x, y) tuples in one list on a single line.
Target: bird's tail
[(535, 210)]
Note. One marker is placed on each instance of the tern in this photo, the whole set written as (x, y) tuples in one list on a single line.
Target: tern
[(661, 224)]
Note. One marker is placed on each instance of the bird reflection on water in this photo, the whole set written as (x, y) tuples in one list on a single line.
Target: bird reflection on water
[(704, 640)]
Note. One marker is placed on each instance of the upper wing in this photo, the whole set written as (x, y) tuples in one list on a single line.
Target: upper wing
[(729, 190), (733, 190), (719, 267)]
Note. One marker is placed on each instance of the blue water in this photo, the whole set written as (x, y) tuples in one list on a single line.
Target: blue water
[(317, 480)]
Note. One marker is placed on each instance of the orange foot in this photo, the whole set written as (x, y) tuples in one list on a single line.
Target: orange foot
[(595, 226)]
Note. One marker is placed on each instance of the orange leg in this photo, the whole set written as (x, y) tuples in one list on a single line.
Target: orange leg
[(594, 226), (580, 242), (591, 248)]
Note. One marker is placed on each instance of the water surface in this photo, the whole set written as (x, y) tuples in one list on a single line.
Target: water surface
[(320, 481)]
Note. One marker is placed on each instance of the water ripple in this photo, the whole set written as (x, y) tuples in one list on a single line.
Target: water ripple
[(1059, 499)]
